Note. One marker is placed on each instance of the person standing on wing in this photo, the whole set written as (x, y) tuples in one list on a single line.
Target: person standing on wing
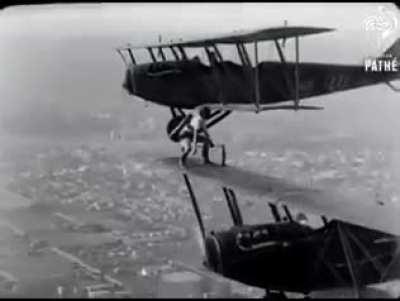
[(200, 133), (191, 130)]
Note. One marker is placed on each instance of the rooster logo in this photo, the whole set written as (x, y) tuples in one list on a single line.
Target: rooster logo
[(385, 21)]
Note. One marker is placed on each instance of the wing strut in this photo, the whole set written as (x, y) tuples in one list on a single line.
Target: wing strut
[(174, 53), (219, 55), (162, 54), (242, 59), (256, 77), (236, 206), (153, 57), (296, 74), (195, 207), (390, 265), (285, 23), (131, 56), (122, 56), (233, 206), (275, 212), (324, 220), (322, 260), (375, 261), (288, 213), (183, 53), (245, 53), (289, 84), (280, 52), (349, 259)]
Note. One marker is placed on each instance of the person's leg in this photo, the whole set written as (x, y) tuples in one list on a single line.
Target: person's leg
[(184, 157), (206, 151), (185, 148)]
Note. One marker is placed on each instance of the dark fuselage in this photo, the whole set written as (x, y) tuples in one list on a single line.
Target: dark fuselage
[(189, 83), (292, 257)]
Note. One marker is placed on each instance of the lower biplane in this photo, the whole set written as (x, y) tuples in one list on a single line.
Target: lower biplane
[(182, 81), (289, 255)]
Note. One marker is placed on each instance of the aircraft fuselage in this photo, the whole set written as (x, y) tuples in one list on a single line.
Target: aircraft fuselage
[(288, 256), (187, 84)]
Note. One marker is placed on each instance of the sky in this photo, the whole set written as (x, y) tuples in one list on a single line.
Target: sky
[(58, 61)]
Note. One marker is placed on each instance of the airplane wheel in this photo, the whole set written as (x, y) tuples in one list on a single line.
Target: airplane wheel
[(171, 125)]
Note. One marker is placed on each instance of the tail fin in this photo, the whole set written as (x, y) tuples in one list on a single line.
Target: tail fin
[(394, 50)]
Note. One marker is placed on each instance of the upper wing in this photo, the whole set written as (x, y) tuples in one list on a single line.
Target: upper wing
[(272, 33)]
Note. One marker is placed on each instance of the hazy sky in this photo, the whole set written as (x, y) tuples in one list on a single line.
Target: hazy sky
[(125, 19), (61, 57)]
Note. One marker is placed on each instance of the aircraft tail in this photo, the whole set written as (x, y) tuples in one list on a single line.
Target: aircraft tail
[(394, 50)]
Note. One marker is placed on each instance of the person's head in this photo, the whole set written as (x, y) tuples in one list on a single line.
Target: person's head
[(204, 112)]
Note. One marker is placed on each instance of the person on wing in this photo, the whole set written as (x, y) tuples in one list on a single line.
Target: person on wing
[(200, 133), (190, 131), (183, 134)]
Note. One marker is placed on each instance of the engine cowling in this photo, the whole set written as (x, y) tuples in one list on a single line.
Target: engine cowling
[(250, 253)]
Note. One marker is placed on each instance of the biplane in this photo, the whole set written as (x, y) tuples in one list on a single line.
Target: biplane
[(290, 255), (178, 78)]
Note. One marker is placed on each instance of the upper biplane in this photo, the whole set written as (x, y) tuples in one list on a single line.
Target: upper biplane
[(176, 78)]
